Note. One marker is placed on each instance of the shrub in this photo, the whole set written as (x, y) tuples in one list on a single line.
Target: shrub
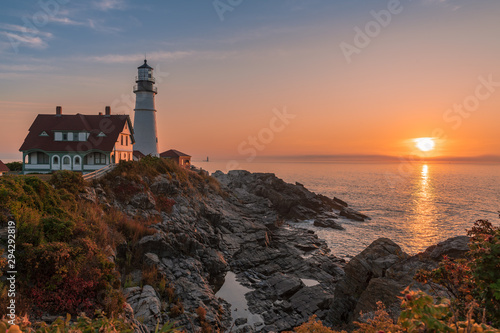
[(15, 166), (473, 282), (314, 325), (57, 230), (150, 276), (202, 313), (164, 204), (72, 182), (176, 310), (381, 322)]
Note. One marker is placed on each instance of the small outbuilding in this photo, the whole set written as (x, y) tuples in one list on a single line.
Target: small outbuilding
[(3, 168), (184, 160)]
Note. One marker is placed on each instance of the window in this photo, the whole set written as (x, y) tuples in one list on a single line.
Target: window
[(99, 158), (82, 136), (66, 160), (126, 141), (77, 160), (65, 136), (122, 139), (44, 134), (55, 160), (42, 158)]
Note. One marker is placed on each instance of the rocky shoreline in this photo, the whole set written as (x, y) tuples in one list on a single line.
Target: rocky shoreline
[(247, 228)]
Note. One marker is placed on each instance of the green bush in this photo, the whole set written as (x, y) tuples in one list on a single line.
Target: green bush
[(57, 230), (72, 182), (15, 166)]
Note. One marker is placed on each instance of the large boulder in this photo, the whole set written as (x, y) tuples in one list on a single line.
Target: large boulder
[(369, 264), (145, 303), (381, 272)]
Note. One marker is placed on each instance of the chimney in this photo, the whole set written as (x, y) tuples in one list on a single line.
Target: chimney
[(108, 110), (58, 110)]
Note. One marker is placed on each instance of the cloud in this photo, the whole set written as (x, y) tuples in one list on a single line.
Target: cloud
[(33, 42), (106, 5), (453, 4), (25, 68), (18, 35), (67, 21), (127, 58), (24, 29)]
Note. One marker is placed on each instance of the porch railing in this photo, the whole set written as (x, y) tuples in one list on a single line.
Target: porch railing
[(99, 172)]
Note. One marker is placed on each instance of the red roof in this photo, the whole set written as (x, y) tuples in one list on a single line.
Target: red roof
[(173, 153), (3, 167), (138, 154), (111, 126)]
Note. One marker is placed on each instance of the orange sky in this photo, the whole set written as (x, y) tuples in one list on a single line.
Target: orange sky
[(221, 89)]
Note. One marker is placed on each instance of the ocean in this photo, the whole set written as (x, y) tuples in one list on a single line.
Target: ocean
[(415, 205)]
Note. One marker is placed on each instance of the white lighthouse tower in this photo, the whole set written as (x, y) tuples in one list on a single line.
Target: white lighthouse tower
[(145, 133)]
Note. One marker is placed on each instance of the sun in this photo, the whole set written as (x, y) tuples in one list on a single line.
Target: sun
[(425, 144)]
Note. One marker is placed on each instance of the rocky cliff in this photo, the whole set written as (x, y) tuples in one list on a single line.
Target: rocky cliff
[(238, 223), (243, 222)]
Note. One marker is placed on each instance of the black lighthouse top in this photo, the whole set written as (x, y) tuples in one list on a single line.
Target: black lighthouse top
[(145, 65), (145, 79)]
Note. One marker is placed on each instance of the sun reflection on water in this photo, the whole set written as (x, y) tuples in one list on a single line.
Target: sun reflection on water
[(423, 228)]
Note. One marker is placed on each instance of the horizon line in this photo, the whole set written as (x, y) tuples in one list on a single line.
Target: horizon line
[(380, 157)]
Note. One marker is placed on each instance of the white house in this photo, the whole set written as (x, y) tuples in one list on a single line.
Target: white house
[(77, 142)]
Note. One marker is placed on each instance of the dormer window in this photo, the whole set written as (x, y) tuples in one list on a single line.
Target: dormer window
[(65, 137), (101, 134), (44, 133)]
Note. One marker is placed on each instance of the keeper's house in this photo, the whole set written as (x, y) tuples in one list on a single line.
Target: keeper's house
[(78, 142)]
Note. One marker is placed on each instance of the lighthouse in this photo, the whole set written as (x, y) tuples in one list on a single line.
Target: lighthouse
[(145, 133)]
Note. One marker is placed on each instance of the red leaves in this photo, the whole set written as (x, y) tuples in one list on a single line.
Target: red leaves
[(73, 295)]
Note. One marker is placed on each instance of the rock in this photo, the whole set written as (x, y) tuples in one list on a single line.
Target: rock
[(144, 201), (341, 202), (151, 259), (240, 321), (291, 201), (453, 248), (164, 186), (381, 273), (371, 263), (245, 230), (285, 286), (353, 215), (145, 303), (328, 223), (214, 262)]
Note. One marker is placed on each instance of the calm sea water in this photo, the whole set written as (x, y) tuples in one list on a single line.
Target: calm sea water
[(415, 205)]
